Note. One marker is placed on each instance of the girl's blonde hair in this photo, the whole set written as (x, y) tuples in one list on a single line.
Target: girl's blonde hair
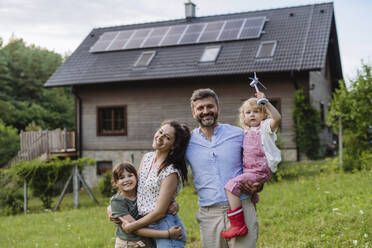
[(253, 103)]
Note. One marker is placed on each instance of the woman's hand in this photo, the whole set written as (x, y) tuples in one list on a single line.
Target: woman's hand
[(175, 232)]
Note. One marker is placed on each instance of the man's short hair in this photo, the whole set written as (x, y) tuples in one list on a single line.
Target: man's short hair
[(201, 94)]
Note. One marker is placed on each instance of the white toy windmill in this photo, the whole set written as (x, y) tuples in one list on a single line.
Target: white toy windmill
[(260, 102)]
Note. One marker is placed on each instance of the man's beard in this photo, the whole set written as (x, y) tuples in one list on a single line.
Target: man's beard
[(208, 123)]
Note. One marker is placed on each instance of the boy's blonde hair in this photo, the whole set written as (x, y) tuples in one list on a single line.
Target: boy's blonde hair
[(253, 103)]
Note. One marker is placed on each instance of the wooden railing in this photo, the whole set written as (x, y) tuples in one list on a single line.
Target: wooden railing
[(35, 144)]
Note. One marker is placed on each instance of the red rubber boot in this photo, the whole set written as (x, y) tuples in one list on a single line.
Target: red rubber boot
[(237, 224)]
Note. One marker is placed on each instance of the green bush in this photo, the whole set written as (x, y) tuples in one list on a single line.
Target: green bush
[(11, 197), (355, 156), (105, 186), (45, 178), (307, 125), (11, 201)]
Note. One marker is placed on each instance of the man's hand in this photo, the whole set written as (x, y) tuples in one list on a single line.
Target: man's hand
[(173, 208), (251, 188), (175, 232), (109, 214)]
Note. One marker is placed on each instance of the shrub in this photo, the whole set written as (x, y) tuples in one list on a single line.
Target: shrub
[(11, 201), (105, 186), (43, 177), (307, 125), (11, 197)]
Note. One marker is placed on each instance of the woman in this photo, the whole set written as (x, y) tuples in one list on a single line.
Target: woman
[(161, 175)]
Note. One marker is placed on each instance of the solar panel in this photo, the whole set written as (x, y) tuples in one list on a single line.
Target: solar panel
[(173, 35), (250, 33), (211, 32), (156, 37), (192, 33), (120, 40), (103, 42), (233, 29), (137, 39), (252, 27)]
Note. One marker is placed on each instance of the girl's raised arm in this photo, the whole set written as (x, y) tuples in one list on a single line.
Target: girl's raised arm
[(272, 111)]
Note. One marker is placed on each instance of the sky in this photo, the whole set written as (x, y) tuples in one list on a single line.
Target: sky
[(61, 25)]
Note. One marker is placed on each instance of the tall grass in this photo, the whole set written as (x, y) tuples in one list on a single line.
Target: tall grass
[(308, 206)]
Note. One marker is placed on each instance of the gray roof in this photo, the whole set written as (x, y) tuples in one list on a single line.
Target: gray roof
[(302, 33)]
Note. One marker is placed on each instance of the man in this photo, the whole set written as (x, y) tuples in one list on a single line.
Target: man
[(215, 155)]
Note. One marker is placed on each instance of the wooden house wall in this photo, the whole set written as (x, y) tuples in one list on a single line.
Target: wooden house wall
[(149, 103)]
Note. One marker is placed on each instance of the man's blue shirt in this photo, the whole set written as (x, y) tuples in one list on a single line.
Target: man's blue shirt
[(215, 162)]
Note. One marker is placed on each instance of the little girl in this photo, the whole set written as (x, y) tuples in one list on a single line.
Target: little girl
[(260, 158), (124, 207)]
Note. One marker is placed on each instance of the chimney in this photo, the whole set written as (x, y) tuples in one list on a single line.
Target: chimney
[(189, 9)]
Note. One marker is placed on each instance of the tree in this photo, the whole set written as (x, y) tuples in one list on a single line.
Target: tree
[(23, 99), (353, 106), (9, 143)]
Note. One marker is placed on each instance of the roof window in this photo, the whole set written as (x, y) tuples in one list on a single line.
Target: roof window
[(266, 49), (145, 59), (210, 54)]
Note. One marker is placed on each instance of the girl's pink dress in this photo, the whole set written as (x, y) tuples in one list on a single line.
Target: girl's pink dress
[(255, 167)]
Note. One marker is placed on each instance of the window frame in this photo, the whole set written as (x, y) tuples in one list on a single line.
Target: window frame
[(215, 57), (99, 123), (152, 53), (272, 50)]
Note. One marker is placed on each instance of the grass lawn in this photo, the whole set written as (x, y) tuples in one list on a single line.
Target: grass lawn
[(310, 206)]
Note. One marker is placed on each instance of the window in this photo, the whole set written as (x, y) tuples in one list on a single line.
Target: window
[(210, 54), (145, 59), (111, 120), (103, 166), (266, 49)]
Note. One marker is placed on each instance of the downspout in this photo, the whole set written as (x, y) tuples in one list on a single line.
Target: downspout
[(293, 79), (78, 124)]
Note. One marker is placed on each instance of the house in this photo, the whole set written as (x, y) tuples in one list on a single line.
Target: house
[(128, 79)]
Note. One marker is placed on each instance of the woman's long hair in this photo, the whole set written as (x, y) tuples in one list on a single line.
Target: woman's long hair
[(176, 156)]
